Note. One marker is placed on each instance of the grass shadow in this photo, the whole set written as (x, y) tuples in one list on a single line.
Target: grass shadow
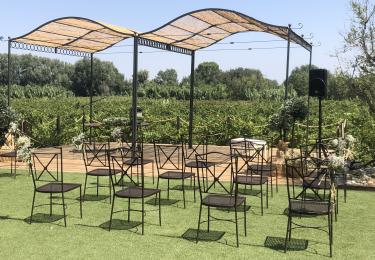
[(239, 209), (187, 187), (278, 243), (44, 218), (120, 224), (191, 235), (8, 174), (93, 197), (163, 202), (248, 191)]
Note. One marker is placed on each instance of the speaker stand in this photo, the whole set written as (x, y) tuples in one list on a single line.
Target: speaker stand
[(320, 129)]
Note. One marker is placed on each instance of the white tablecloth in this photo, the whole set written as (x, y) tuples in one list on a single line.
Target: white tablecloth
[(242, 139)]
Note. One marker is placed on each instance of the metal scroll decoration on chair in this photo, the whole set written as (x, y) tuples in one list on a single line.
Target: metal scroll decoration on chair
[(318, 88)]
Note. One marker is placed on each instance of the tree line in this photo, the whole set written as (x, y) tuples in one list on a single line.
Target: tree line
[(35, 76)]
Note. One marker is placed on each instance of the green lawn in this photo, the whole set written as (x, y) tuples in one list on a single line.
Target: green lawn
[(87, 238)]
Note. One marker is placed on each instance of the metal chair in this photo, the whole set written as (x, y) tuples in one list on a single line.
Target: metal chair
[(47, 173), (97, 165), (251, 167), (170, 165), (189, 154), (130, 162), (301, 205), (135, 191), (268, 166), (227, 198)]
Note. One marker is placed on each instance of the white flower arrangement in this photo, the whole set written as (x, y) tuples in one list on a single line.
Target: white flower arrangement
[(344, 146), (23, 146), (78, 141), (13, 128), (336, 163)]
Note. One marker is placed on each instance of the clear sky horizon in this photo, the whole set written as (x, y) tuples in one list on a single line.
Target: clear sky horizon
[(324, 19)]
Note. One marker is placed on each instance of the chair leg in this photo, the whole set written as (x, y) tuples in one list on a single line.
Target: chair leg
[(168, 190), (191, 178), (287, 234), (110, 218), (277, 182), (261, 199), (199, 223), (32, 207), (63, 204), (80, 199), (153, 172), (235, 215), (110, 189), (159, 209), (290, 229), (195, 199), (97, 186), (183, 192), (267, 194), (84, 189), (336, 201), (208, 219), (128, 209), (143, 215), (157, 186), (50, 204), (244, 216)]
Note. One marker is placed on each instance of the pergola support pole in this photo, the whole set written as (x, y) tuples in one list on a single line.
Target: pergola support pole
[(134, 93), (9, 69), (308, 103), (191, 99), (91, 92), (287, 64)]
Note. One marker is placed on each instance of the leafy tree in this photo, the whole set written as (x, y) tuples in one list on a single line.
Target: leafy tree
[(33, 70), (143, 76), (246, 84), (107, 79), (167, 77), (359, 44), (208, 73), (294, 109), (299, 79)]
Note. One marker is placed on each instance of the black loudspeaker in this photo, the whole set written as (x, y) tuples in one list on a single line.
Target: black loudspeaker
[(318, 83)]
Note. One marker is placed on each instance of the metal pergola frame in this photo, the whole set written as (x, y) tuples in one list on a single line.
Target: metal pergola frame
[(139, 39), (39, 48)]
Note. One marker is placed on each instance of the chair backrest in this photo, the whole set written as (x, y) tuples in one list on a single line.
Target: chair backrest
[(200, 148), (47, 166), (95, 154), (294, 173), (117, 162), (313, 149), (304, 178), (169, 156), (217, 173), (248, 153)]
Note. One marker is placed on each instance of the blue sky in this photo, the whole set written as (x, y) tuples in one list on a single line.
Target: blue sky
[(324, 19)]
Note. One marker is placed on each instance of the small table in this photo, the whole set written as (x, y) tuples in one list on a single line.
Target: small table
[(256, 143), (243, 139), (13, 156)]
